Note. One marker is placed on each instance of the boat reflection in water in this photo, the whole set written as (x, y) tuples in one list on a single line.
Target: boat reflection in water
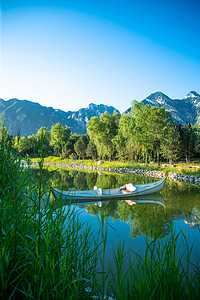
[(152, 198)]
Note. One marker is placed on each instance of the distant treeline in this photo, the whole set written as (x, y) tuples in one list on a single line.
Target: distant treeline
[(145, 134)]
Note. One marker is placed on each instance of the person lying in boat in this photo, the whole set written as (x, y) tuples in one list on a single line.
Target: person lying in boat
[(128, 188)]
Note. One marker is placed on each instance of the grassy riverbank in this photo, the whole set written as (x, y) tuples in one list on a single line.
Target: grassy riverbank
[(181, 167), (47, 252)]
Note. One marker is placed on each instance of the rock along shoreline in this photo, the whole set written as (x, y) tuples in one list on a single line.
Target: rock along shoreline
[(158, 174)]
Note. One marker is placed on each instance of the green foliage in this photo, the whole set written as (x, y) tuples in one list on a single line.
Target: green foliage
[(91, 150), (68, 148), (43, 140), (102, 132), (170, 144), (59, 136), (125, 141), (81, 146), (188, 141), (152, 125), (146, 132)]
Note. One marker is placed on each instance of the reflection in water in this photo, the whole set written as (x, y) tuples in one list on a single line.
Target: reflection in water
[(176, 201), (152, 198), (148, 216)]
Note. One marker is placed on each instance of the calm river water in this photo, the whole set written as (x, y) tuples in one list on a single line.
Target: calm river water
[(177, 204)]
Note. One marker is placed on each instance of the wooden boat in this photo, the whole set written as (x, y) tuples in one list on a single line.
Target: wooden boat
[(126, 192)]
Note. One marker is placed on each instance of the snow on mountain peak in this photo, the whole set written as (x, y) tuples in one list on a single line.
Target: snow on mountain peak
[(192, 94)]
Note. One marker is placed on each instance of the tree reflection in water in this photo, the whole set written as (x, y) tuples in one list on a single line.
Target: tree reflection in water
[(182, 201)]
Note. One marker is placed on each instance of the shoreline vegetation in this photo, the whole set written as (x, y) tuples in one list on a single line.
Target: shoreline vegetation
[(121, 138), (180, 172)]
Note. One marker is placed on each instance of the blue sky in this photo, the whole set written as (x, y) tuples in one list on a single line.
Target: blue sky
[(67, 54)]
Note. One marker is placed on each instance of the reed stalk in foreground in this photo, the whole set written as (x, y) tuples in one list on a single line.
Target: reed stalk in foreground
[(165, 271), (46, 251)]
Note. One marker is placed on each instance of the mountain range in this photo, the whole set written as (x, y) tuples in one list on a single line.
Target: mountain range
[(182, 110), (27, 117)]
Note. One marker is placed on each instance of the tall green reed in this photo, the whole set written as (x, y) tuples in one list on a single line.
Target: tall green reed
[(46, 250), (164, 272), (105, 268)]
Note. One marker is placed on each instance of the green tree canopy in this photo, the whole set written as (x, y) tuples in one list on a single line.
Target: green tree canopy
[(81, 146), (189, 136), (5, 137), (124, 141), (68, 148), (151, 126), (59, 136), (102, 132), (43, 140), (91, 150)]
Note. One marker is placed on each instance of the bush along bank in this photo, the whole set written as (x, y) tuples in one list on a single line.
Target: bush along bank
[(158, 174)]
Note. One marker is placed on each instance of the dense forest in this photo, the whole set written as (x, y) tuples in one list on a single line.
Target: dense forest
[(145, 134)]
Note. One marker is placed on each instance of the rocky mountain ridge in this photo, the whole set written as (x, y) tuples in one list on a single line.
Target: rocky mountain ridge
[(182, 110), (27, 117)]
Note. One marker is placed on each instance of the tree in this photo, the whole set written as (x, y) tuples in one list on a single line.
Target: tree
[(197, 141), (27, 146), (188, 140), (91, 150), (142, 131), (68, 148), (81, 146), (43, 140), (170, 145), (151, 126), (125, 140), (5, 138), (32, 145), (59, 136), (102, 132)]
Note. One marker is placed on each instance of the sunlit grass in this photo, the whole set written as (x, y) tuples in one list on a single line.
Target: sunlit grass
[(192, 168)]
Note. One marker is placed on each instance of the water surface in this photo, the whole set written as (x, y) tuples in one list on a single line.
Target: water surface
[(177, 204)]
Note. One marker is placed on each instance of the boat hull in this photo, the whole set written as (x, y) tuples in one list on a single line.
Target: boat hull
[(115, 194)]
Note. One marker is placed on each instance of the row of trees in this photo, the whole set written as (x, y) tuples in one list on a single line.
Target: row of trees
[(59, 141), (146, 134)]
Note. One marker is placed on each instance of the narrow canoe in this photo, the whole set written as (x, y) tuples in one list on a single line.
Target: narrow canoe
[(126, 192)]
